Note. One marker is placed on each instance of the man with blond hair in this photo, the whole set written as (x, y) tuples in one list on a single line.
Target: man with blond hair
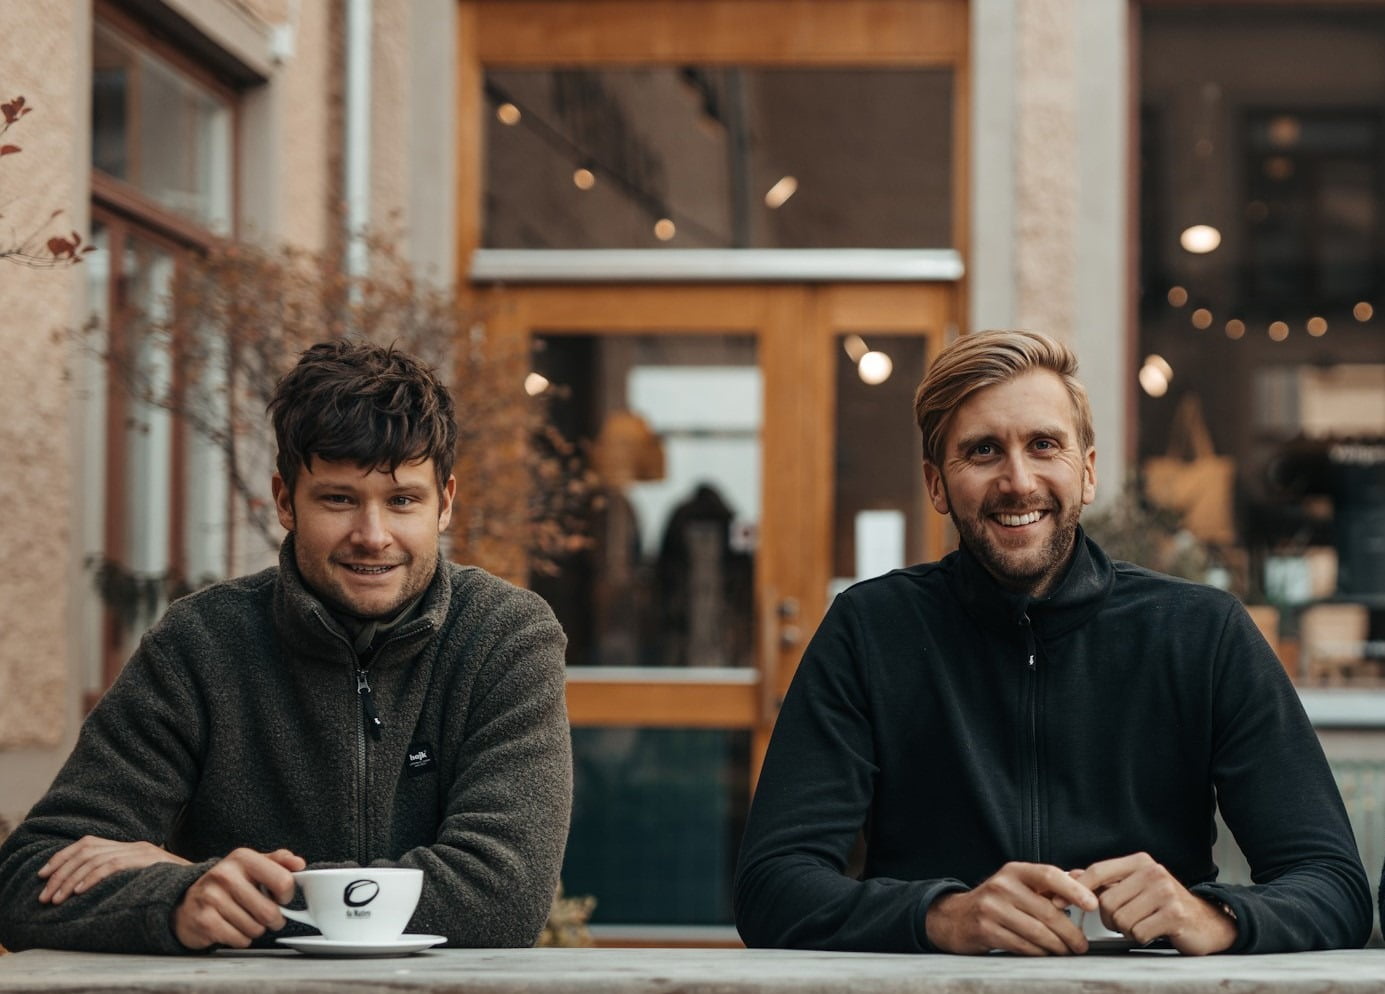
[(1026, 733)]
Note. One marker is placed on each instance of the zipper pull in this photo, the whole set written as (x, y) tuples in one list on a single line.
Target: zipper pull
[(1029, 638), (372, 717)]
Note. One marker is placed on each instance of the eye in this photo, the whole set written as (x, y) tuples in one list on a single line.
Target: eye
[(983, 449), (337, 500), (1046, 445), (402, 500)]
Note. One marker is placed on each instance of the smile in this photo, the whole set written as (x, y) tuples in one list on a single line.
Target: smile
[(1016, 520), (369, 570)]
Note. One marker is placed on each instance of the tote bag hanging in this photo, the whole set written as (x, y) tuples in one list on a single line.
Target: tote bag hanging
[(1192, 479)]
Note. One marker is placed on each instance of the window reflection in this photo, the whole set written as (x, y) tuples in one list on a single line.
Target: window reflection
[(158, 130), (672, 429), (712, 157)]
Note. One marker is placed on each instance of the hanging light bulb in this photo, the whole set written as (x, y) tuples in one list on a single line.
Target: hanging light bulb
[(583, 178), (535, 384), (1200, 239), (874, 368), (664, 229), (507, 113)]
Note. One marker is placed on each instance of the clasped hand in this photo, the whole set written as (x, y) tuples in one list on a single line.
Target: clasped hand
[(232, 904), (1022, 908)]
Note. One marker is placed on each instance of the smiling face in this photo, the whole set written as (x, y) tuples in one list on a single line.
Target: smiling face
[(1014, 477), (365, 540)]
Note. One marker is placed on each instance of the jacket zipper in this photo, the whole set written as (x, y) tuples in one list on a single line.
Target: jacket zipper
[(1032, 702), (370, 721)]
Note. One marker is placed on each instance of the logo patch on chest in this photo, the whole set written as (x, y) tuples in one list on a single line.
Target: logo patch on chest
[(420, 759)]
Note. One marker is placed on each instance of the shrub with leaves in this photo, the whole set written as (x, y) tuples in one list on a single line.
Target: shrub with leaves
[(239, 317)]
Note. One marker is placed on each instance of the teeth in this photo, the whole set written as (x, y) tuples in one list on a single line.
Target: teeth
[(1015, 520), (370, 569)]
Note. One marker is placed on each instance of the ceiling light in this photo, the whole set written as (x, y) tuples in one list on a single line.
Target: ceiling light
[(780, 192), (1200, 239), (1154, 382), (874, 368)]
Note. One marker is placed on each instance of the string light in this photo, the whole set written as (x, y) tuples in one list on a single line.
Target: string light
[(1278, 331), (1235, 328), (1202, 319), (1317, 326), (508, 114), (664, 229), (535, 384), (1178, 296), (1363, 311), (583, 178)]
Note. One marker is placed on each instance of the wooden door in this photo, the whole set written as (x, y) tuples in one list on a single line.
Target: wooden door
[(678, 658)]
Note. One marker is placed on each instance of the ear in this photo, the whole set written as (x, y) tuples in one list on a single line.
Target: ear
[(937, 489), (1089, 477), (449, 491), (283, 501)]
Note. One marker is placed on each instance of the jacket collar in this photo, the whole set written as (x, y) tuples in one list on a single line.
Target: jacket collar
[(308, 628), (1078, 595)]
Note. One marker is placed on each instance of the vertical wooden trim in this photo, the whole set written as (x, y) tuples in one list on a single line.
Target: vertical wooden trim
[(470, 140), (113, 541)]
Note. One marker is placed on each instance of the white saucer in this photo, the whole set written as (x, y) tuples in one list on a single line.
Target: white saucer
[(317, 945)]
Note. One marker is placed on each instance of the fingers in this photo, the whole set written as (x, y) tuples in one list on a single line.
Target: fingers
[(91, 859), (1142, 899), (227, 905), (1019, 909)]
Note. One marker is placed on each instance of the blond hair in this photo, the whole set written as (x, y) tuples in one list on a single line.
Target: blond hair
[(986, 359)]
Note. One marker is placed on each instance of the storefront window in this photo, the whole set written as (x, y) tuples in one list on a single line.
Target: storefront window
[(1261, 358), (719, 157)]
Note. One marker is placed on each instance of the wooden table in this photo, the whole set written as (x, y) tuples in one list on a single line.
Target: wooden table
[(694, 971)]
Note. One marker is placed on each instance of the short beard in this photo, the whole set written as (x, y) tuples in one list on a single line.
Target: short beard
[(1035, 576)]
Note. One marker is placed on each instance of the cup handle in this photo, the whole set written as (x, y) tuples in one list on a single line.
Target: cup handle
[(298, 916)]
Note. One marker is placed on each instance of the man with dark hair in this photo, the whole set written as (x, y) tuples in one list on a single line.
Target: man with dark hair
[(1027, 727), (362, 703)]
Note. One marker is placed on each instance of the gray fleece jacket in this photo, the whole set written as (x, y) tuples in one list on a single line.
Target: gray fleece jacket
[(238, 722)]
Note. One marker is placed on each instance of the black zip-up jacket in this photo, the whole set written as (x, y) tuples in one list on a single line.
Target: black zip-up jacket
[(964, 727)]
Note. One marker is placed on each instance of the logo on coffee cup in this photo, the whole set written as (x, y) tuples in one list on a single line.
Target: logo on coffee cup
[(358, 894)]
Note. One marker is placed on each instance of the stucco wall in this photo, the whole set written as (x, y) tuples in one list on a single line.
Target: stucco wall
[(39, 695), (39, 53)]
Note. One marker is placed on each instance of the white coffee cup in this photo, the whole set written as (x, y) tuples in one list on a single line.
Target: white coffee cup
[(1093, 928), (358, 904)]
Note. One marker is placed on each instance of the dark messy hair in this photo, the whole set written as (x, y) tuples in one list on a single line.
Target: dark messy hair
[(361, 403)]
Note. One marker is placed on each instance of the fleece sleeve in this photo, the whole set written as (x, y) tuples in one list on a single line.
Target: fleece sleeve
[(492, 873), (128, 777), (1278, 797), (812, 799)]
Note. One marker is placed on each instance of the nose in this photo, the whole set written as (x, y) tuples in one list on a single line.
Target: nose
[(1019, 475), (370, 531)]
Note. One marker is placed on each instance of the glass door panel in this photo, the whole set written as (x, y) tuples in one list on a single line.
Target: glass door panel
[(656, 823), (671, 426), (878, 491)]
